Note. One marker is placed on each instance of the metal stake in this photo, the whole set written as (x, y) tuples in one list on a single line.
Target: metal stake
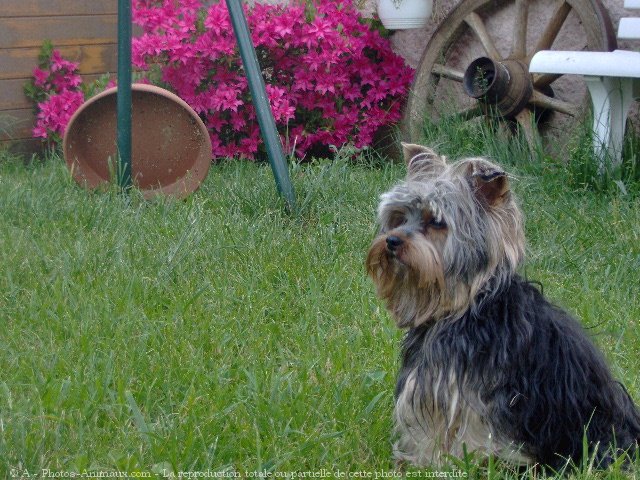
[(124, 94), (261, 102)]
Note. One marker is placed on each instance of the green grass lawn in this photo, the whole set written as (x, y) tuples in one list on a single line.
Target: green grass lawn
[(221, 333)]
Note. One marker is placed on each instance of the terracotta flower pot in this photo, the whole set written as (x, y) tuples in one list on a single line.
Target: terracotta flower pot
[(170, 151)]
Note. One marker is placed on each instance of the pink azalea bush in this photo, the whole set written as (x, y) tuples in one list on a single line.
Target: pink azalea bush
[(58, 91), (331, 79), (56, 88)]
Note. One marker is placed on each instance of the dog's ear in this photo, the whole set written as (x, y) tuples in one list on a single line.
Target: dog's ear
[(489, 181), (422, 160)]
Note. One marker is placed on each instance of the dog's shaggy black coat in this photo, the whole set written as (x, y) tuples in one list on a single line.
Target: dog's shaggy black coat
[(544, 382)]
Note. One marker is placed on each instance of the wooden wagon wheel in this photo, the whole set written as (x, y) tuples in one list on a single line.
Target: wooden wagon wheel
[(475, 66)]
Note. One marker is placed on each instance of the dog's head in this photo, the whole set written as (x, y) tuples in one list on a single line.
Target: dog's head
[(449, 234)]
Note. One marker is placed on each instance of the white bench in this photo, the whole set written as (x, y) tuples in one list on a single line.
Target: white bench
[(613, 80)]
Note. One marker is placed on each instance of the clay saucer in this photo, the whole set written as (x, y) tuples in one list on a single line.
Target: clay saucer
[(170, 150)]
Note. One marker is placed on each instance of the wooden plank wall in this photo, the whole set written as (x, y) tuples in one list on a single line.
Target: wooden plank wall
[(84, 31)]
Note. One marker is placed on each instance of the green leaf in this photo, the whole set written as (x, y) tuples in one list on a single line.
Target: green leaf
[(138, 419), (372, 404), (44, 57)]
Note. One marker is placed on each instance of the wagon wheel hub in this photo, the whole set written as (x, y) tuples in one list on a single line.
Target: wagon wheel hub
[(505, 84)]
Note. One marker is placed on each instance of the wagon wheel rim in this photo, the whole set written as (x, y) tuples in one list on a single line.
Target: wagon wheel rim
[(509, 93)]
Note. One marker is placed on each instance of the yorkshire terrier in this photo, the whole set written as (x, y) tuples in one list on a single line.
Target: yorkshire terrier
[(488, 364)]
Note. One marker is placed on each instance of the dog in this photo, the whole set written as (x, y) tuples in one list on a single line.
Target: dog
[(488, 364)]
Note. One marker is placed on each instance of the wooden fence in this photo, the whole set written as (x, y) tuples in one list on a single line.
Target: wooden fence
[(84, 31)]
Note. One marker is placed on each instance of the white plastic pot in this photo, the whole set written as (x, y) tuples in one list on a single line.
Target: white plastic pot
[(404, 14)]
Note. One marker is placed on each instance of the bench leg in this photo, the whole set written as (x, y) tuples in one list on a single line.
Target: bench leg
[(612, 97)]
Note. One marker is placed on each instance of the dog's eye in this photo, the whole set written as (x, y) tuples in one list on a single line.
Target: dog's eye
[(396, 220), (436, 224)]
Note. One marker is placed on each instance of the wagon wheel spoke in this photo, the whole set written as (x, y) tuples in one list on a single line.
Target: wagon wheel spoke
[(448, 72), (477, 25), (552, 29), (539, 99), (519, 49), (526, 124), (544, 80)]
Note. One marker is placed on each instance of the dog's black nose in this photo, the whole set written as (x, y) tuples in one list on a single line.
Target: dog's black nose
[(394, 242)]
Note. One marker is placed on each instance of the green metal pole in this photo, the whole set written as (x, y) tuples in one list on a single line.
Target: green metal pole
[(124, 94), (261, 102)]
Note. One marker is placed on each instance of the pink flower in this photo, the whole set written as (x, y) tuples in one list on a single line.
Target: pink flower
[(55, 112), (225, 97), (39, 131), (215, 122), (238, 121), (40, 77)]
